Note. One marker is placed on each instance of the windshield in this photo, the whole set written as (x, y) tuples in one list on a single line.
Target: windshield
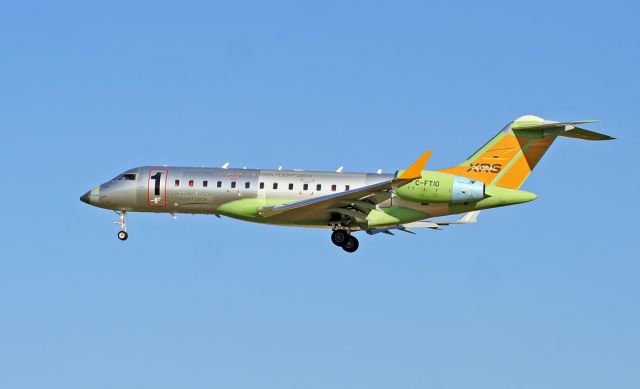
[(125, 177)]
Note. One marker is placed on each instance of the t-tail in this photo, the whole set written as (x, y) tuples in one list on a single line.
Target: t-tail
[(508, 159)]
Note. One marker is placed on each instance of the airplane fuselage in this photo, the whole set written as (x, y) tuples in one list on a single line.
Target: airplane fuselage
[(240, 193)]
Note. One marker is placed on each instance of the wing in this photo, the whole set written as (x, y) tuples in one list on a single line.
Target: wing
[(467, 218), (353, 205)]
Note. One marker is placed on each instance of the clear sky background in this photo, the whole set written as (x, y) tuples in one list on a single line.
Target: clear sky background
[(541, 295)]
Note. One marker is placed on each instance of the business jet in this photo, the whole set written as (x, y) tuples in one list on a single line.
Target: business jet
[(346, 202)]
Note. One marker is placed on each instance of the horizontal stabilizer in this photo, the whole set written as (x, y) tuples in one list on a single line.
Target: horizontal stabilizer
[(566, 129), (528, 126), (581, 133)]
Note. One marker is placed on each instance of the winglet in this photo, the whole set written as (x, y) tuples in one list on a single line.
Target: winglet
[(415, 171), (469, 217)]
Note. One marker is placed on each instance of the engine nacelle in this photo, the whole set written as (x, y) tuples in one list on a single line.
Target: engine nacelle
[(437, 187), (465, 189)]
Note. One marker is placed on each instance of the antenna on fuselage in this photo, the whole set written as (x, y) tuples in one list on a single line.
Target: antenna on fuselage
[(339, 170), (226, 165)]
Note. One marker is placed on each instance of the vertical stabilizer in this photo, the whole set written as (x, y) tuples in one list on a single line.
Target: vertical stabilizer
[(509, 157)]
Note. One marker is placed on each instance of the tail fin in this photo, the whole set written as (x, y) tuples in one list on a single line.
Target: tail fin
[(508, 158)]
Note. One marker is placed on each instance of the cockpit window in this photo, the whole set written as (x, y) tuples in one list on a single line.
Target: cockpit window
[(126, 177)]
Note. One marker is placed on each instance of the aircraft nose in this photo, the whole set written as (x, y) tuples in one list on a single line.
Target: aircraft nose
[(85, 198), (92, 197)]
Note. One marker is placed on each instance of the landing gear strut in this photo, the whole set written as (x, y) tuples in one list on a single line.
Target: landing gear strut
[(344, 239), (122, 222)]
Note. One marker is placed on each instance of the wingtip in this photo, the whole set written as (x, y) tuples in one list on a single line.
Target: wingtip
[(469, 217), (415, 170)]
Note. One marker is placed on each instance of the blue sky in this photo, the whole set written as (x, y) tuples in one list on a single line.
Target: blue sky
[(537, 295)]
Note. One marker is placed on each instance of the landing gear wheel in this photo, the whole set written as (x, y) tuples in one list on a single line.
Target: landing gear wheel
[(122, 235), (339, 237), (351, 244)]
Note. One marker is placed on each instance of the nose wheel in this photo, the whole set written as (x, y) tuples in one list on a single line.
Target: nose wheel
[(122, 222), (342, 238)]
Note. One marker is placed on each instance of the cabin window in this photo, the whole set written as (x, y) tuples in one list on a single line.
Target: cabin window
[(247, 185), (219, 184), (333, 187), (190, 182), (177, 183), (262, 185), (275, 185), (318, 187), (290, 186), (205, 183), (233, 184), (347, 187), (305, 187)]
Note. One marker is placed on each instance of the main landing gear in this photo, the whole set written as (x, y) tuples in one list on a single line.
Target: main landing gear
[(122, 222), (344, 239)]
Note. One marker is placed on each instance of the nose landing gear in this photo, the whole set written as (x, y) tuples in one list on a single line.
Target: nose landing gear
[(122, 222), (344, 239)]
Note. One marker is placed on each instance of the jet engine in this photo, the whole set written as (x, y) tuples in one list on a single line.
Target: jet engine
[(437, 187)]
